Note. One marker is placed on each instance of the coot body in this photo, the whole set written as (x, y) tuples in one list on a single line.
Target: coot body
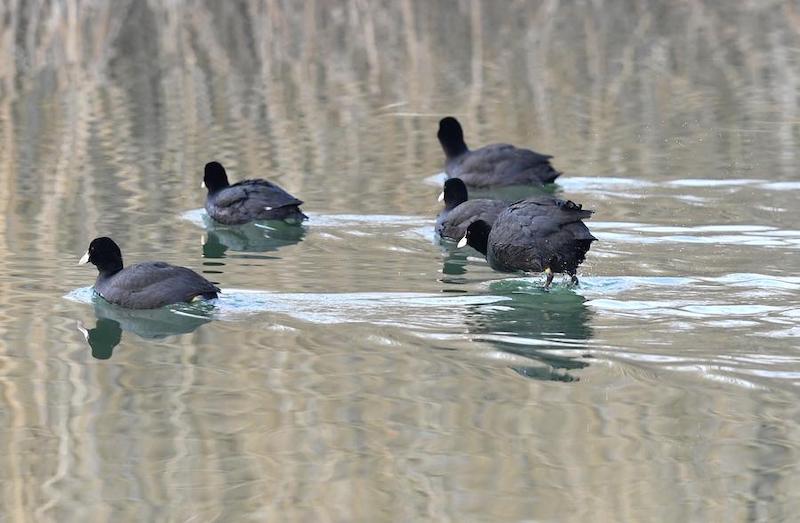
[(248, 200), (147, 285), (496, 165), (534, 235)]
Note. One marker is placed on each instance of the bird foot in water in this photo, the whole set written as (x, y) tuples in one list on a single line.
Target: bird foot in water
[(549, 274)]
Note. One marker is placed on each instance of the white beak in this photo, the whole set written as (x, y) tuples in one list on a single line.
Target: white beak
[(462, 242), (441, 196), (84, 259), (203, 184)]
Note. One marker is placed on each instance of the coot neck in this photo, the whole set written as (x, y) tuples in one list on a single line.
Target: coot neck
[(218, 187), (480, 243), (449, 206), (109, 269), (454, 148)]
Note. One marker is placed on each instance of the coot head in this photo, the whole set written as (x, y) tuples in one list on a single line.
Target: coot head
[(451, 136), (104, 254), (454, 193), (215, 177), (477, 236)]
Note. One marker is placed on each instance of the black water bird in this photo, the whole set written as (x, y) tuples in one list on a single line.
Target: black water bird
[(495, 165), (248, 200), (538, 234), (147, 285)]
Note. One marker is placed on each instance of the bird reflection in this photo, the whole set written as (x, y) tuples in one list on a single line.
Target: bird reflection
[(556, 321), (250, 237), (455, 263), (147, 323), (102, 339)]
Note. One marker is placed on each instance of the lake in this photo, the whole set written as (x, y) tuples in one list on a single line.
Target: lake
[(354, 368)]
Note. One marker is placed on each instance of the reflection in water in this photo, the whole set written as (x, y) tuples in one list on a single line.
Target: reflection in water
[(250, 237), (660, 113), (538, 325), (102, 339), (455, 262), (145, 323)]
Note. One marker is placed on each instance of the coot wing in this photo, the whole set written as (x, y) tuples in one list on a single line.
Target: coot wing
[(230, 196), (256, 195), (504, 164), (559, 212), (524, 157)]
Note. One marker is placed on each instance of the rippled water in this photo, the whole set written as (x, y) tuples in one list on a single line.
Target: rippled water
[(354, 369)]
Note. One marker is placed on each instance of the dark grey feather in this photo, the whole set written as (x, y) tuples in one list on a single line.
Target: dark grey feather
[(252, 200), (151, 285)]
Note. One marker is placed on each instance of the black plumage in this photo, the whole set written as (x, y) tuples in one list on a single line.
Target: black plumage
[(534, 235), (248, 200), (495, 165), (147, 285), (459, 211)]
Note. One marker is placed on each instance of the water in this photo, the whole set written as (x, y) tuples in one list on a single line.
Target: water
[(354, 369)]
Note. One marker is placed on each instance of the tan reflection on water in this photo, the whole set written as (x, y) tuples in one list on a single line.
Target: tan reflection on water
[(108, 112)]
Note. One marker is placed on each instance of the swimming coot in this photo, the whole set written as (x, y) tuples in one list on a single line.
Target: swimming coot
[(248, 200), (147, 285), (495, 165), (459, 211), (534, 235)]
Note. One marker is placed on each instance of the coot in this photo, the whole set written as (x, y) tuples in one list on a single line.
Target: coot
[(495, 165), (534, 235), (248, 200), (147, 285)]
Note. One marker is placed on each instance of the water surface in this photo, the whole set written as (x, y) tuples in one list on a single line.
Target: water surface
[(354, 369)]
